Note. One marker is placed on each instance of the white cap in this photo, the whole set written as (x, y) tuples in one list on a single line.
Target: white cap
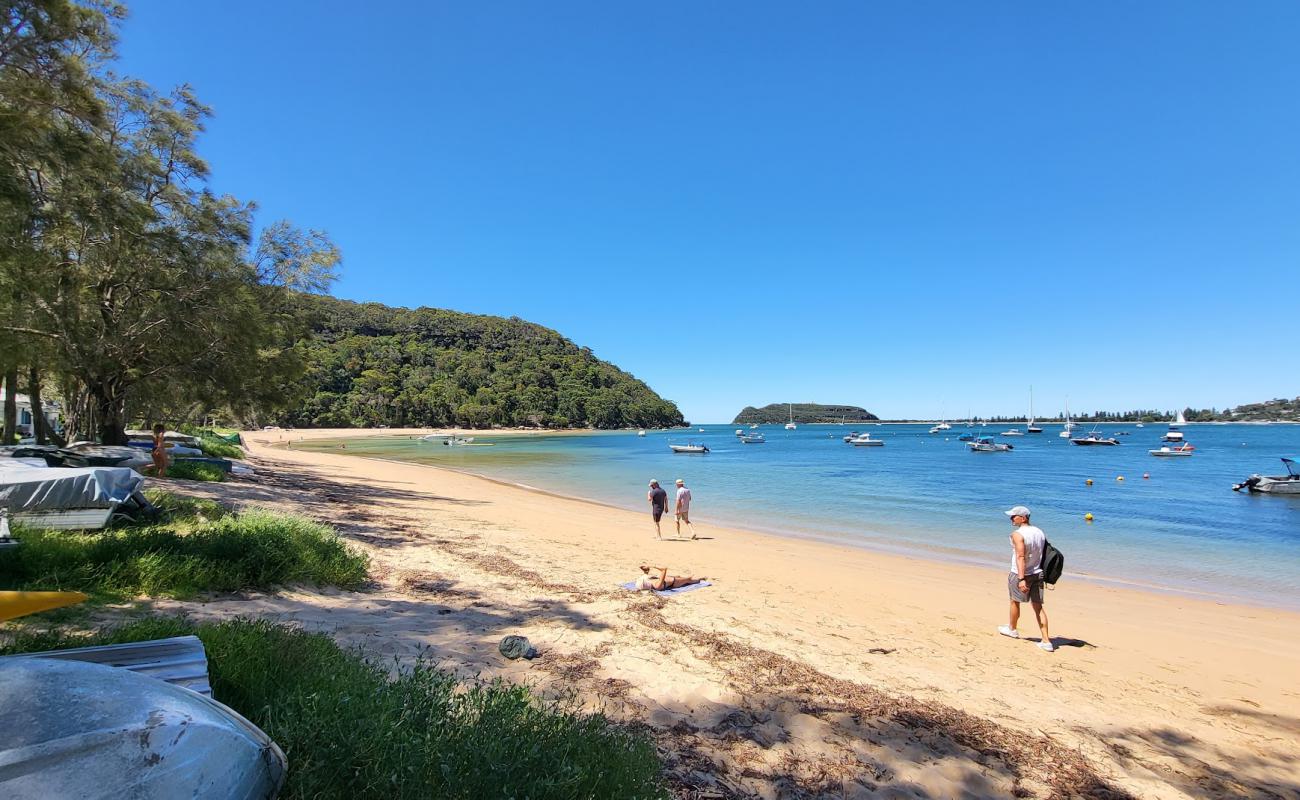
[(1018, 511), (654, 482), (679, 480)]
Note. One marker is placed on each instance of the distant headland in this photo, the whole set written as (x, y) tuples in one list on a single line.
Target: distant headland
[(805, 413)]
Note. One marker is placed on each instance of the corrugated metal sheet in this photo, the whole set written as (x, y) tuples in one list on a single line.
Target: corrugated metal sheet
[(180, 661)]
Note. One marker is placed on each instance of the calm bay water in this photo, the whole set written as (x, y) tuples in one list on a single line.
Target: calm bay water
[(1182, 529)]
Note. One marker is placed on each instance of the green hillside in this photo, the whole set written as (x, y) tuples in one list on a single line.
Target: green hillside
[(806, 413), (372, 365)]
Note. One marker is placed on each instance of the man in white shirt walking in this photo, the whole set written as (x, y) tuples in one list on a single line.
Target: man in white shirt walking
[(1025, 581), (684, 508)]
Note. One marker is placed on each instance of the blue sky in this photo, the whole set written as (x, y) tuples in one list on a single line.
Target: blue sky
[(919, 208)]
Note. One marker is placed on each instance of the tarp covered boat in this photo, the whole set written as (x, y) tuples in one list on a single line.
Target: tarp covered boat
[(70, 498)]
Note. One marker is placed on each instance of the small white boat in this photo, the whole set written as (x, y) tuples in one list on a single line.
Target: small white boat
[(942, 426), (740, 431), (1013, 432), (790, 425), (1274, 484), (1173, 434), (1141, 425), (865, 440), (688, 448), (1031, 427), (985, 444), (641, 432), (852, 435), (753, 438), (458, 440), (1069, 426), (753, 426), (1183, 450)]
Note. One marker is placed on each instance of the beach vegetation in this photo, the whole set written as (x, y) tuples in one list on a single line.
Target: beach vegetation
[(196, 548), (352, 727), (195, 471)]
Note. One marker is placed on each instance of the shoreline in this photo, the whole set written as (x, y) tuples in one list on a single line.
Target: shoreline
[(921, 552), (1151, 695)]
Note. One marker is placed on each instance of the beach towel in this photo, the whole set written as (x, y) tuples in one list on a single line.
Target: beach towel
[(632, 586)]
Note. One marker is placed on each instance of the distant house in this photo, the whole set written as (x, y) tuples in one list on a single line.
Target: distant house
[(24, 403)]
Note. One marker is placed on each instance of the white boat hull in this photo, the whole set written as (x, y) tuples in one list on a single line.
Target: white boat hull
[(1170, 452)]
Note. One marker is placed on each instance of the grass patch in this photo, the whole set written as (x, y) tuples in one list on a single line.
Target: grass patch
[(191, 471), (212, 446), (202, 548), (351, 730)]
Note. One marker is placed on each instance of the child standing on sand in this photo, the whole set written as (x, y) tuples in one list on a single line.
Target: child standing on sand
[(159, 451)]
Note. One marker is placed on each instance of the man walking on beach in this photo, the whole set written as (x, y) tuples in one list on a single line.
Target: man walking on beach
[(658, 504), (684, 508), (1025, 581)]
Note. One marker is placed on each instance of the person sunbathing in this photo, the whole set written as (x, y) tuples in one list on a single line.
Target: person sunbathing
[(663, 581)]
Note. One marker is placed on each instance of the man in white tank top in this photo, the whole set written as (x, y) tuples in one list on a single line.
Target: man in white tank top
[(1025, 581)]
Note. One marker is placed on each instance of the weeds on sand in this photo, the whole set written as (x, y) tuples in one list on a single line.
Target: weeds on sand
[(350, 730), (191, 471), (200, 548)]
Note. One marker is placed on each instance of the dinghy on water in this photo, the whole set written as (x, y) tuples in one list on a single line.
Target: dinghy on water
[(688, 448), (1182, 450), (986, 444)]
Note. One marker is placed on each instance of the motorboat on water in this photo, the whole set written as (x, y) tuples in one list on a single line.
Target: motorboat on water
[(753, 426), (865, 440), (753, 438), (641, 432), (852, 435), (1174, 434), (986, 444), (740, 431), (688, 448), (1274, 484), (1183, 450), (1013, 432), (1095, 438), (966, 437)]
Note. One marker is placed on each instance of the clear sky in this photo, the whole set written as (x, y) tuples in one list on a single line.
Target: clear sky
[(920, 208)]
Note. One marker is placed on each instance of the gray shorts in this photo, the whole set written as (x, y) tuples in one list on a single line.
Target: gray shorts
[(1035, 593)]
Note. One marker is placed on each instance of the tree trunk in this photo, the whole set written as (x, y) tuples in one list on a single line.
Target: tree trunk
[(11, 404), (109, 406), (40, 426)]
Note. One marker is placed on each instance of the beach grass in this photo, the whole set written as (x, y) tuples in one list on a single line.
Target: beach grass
[(198, 548), (352, 729), (190, 471)]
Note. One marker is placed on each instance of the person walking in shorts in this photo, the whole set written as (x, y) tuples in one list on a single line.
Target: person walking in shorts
[(658, 499), (1025, 581), (684, 508)]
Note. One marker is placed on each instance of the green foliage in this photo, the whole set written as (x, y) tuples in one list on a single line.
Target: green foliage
[(351, 730), (191, 471), (193, 552), (804, 413), (372, 365)]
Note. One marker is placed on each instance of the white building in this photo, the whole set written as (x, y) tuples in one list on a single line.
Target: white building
[(50, 407)]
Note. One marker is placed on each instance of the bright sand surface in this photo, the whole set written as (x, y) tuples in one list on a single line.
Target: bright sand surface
[(807, 669)]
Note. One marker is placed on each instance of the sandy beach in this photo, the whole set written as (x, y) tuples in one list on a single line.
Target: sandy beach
[(807, 669)]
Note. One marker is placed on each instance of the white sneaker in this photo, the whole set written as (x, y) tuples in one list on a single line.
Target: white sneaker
[(1047, 645), (1007, 630)]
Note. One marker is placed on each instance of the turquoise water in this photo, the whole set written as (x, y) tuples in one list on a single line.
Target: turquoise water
[(1182, 529)]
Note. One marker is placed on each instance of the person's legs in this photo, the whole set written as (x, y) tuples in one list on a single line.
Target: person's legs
[(160, 465), (657, 514), (1041, 614), (1014, 618), (686, 517), (678, 522)]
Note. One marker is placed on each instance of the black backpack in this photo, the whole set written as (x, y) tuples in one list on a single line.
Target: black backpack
[(1053, 563)]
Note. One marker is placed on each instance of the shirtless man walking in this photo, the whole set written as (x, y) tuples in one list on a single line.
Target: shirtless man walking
[(1025, 581), (684, 508)]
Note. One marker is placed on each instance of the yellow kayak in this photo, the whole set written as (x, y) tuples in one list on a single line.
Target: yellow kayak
[(20, 604)]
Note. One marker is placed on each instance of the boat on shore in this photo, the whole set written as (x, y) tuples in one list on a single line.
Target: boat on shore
[(1274, 484), (865, 440), (1183, 450), (689, 448)]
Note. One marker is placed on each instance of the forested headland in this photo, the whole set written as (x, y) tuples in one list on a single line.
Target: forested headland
[(804, 413), (370, 365)]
